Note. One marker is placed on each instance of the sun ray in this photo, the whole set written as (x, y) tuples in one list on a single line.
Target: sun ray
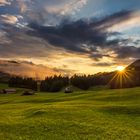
[(122, 78)]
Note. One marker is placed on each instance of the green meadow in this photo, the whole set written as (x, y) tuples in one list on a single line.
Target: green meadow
[(97, 114)]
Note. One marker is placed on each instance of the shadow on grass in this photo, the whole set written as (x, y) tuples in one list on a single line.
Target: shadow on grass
[(122, 110), (34, 112), (117, 98), (65, 98)]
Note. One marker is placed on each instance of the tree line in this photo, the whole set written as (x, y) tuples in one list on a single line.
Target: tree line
[(129, 78), (57, 83), (20, 82)]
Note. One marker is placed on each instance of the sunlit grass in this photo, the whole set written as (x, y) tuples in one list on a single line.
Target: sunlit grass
[(93, 115)]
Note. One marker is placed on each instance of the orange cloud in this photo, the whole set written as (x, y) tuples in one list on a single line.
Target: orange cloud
[(10, 19), (67, 8), (4, 2), (26, 69)]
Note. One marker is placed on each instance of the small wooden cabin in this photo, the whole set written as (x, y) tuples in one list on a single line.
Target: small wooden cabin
[(9, 91)]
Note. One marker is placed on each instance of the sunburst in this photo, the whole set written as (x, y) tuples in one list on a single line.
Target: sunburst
[(121, 77), (120, 68)]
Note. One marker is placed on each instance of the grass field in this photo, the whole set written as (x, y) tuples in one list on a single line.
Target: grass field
[(83, 115)]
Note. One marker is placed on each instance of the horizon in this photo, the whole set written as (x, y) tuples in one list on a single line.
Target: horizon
[(68, 37), (13, 71)]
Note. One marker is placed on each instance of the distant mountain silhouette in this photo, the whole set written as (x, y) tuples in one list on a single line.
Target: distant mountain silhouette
[(134, 66)]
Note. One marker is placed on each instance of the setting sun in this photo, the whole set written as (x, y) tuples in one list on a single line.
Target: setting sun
[(120, 68)]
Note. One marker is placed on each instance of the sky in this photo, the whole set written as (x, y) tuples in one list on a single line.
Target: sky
[(47, 37)]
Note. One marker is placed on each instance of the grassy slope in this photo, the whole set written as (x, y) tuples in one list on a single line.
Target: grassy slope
[(99, 115)]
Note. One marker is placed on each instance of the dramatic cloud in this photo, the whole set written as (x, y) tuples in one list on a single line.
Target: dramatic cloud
[(87, 36), (42, 11), (129, 51), (67, 8), (4, 2), (10, 19), (127, 20), (104, 64), (53, 33)]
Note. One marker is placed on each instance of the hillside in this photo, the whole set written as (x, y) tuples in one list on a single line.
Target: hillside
[(94, 115), (134, 66)]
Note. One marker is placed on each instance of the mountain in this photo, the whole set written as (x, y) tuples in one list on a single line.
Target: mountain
[(135, 66), (130, 77)]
